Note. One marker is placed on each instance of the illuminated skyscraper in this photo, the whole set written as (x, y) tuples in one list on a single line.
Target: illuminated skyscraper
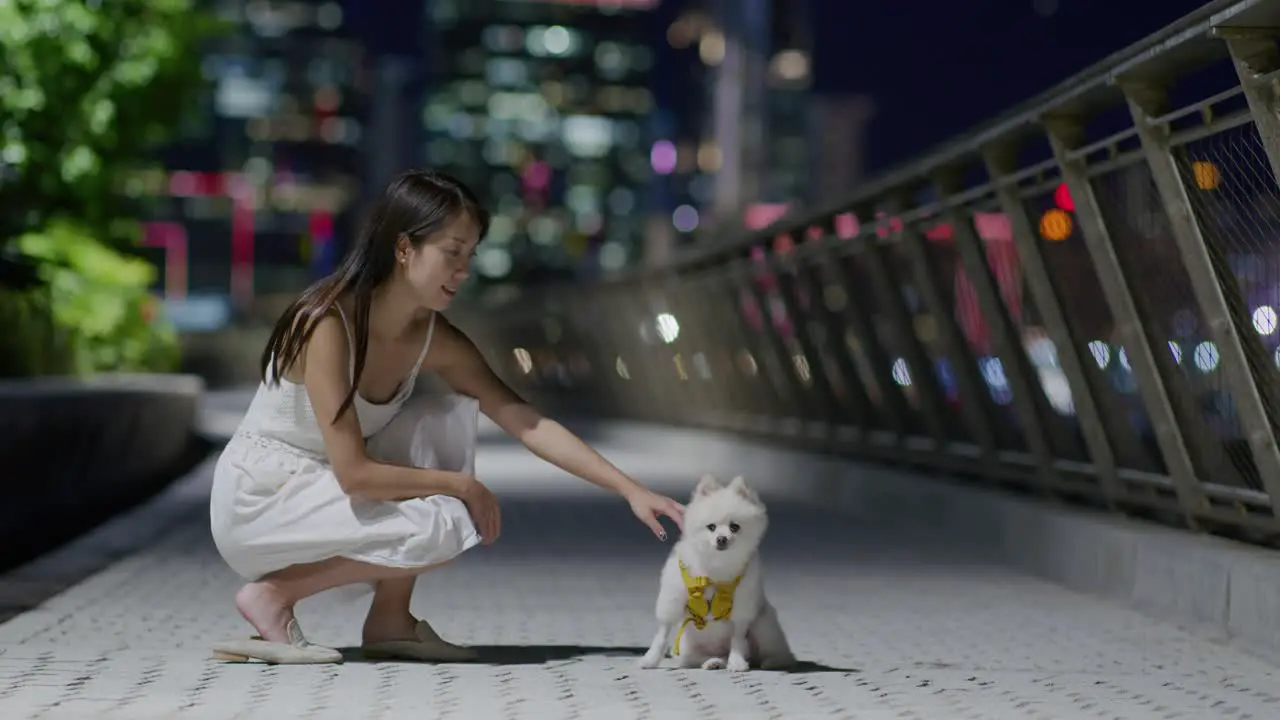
[(837, 153), (266, 171), (543, 108), (739, 153)]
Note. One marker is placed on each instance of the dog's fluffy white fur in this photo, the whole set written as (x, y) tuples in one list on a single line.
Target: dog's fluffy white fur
[(723, 527)]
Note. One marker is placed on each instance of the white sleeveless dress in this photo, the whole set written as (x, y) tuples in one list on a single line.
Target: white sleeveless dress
[(276, 502)]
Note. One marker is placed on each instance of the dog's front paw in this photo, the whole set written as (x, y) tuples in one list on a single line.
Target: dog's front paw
[(737, 663), (713, 664), (650, 661)]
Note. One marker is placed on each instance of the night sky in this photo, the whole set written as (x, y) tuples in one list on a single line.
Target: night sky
[(934, 67), (937, 68)]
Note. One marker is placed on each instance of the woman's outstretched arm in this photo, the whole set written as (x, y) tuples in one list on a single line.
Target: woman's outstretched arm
[(460, 364)]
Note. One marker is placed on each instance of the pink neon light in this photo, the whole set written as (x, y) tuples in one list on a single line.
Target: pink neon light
[(993, 226), (321, 227), (762, 215), (886, 225), (663, 157), (537, 175), (187, 183), (1062, 198), (182, 184), (172, 237), (242, 241), (846, 226)]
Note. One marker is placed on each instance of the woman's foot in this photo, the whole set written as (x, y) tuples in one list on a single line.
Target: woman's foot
[(267, 609), (405, 638), (384, 627)]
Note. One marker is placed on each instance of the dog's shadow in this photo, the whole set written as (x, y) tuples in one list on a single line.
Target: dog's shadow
[(543, 654)]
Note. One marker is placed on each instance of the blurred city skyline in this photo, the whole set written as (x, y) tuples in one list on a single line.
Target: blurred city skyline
[(604, 133)]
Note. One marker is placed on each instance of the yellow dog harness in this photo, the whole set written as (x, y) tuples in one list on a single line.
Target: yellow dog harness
[(698, 610)]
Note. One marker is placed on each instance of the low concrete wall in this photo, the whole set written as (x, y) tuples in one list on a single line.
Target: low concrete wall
[(1226, 589), (76, 452)]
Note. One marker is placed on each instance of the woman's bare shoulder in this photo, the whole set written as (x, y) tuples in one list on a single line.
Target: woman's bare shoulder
[(449, 344), (328, 336)]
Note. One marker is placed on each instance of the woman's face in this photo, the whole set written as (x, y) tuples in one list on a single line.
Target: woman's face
[(436, 269)]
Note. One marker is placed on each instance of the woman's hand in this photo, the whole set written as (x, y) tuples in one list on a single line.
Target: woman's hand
[(483, 506), (648, 505)]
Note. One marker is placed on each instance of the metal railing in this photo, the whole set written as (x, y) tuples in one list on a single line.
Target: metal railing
[(1079, 298)]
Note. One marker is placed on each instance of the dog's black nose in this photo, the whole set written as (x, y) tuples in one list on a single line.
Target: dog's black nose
[(722, 542)]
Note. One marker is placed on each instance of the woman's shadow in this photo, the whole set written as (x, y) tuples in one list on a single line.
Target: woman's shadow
[(544, 654)]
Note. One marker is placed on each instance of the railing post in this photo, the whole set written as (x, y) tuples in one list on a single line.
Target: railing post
[(815, 402), (1256, 59), (1147, 102), (1001, 161), (789, 274), (739, 402), (621, 333), (851, 310), (705, 400), (919, 365), (1066, 136), (826, 322), (672, 379), (793, 392), (1004, 336), (762, 397), (974, 392), (649, 368)]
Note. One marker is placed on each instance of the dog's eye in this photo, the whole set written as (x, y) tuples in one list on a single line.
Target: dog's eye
[(712, 527), (734, 527)]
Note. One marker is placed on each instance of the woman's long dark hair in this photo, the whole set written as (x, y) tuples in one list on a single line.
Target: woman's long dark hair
[(416, 205)]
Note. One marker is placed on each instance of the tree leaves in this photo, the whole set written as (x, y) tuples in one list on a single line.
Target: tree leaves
[(86, 93)]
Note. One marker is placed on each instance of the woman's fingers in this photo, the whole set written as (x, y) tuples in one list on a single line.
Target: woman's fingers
[(675, 511)]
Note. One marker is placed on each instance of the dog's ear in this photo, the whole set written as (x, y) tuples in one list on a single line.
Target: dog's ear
[(707, 485), (739, 485)]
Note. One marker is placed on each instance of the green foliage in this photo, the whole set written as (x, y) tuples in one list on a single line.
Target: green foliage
[(95, 312), (31, 344), (87, 90)]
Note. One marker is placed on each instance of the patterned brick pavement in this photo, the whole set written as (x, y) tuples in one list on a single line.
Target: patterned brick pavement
[(893, 623)]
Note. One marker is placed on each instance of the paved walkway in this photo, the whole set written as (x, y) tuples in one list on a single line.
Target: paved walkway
[(892, 622)]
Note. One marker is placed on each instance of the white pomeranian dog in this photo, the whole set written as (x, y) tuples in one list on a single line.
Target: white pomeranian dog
[(711, 595)]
